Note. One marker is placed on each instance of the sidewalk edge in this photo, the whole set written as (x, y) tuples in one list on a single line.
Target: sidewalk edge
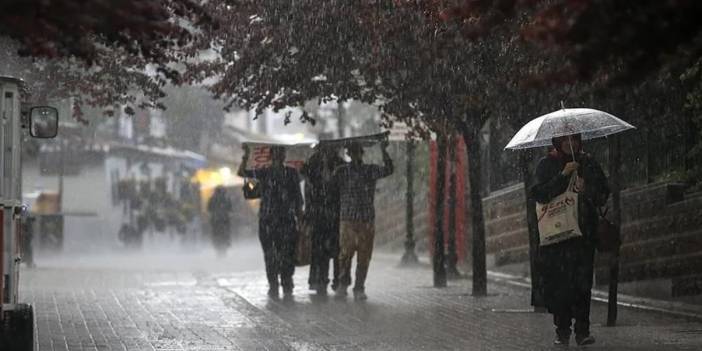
[(647, 304)]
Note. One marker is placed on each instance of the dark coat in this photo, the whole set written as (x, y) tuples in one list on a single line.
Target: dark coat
[(280, 191), (322, 203), (567, 266), (220, 207), (322, 194)]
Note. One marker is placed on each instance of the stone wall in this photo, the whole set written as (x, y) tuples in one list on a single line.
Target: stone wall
[(661, 235), (507, 238)]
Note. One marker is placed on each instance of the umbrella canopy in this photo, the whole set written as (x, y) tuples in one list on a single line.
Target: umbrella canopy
[(364, 140), (588, 122)]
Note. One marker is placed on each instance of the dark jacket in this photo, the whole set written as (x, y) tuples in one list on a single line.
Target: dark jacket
[(551, 183), (280, 191), (321, 192), (220, 207)]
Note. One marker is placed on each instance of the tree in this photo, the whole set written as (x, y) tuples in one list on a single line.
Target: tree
[(601, 40), (274, 54), (105, 52), (423, 72)]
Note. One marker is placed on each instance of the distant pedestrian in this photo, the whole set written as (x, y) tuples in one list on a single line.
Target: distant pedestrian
[(279, 215), (220, 208), (567, 266), (357, 214), (322, 211)]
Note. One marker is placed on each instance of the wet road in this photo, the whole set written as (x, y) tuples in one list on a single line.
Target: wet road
[(188, 300)]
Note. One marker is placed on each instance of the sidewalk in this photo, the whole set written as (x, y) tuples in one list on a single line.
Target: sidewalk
[(223, 306), (404, 312)]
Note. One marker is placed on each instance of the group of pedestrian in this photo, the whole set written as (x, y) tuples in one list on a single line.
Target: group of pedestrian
[(338, 207)]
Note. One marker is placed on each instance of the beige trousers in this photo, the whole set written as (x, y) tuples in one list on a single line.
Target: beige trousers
[(355, 238)]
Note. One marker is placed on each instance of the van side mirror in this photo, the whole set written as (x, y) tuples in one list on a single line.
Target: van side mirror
[(43, 122)]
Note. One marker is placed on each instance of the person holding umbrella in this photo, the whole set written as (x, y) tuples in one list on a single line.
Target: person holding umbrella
[(570, 187), (568, 265), (357, 182)]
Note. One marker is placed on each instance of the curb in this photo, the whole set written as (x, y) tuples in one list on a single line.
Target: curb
[(678, 309)]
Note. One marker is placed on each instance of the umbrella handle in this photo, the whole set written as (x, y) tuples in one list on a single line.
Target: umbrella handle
[(570, 143)]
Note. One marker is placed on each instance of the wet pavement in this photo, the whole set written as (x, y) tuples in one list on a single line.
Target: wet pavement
[(186, 300)]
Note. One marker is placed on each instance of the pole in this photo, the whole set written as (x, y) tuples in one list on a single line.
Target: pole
[(452, 257), (614, 164), (439, 260), (61, 172), (410, 257)]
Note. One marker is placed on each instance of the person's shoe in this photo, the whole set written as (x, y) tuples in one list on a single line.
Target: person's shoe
[(273, 293), (341, 292), (314, 287), (321, 290), (586, 340), (561, 341), (360, 296)]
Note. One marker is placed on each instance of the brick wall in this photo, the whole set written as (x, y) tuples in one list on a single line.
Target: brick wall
[(661, 234), (505, 225)]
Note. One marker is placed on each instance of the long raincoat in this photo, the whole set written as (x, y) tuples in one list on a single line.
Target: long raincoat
[(281, 201), (322, 210), (220, 207), (567, 266)]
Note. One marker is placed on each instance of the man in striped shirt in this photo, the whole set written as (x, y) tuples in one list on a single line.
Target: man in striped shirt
[(356, 182)]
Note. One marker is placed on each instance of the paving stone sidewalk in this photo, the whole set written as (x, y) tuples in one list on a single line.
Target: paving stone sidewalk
[(174, 307)]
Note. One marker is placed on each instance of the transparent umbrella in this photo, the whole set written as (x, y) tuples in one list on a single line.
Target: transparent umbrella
[(588, 122)]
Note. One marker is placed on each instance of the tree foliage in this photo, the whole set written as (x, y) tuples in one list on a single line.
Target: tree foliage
[(276, 54), (601, 39), (103, 52), (85, 30), (273, 54)]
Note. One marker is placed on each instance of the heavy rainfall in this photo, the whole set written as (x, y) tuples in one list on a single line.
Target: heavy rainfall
[(350, 175)]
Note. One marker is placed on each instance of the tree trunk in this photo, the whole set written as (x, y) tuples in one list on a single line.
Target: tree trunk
[(478, 220), (439, 260), (452, 257)]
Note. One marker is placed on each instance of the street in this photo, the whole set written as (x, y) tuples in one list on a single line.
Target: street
[(188, 300)]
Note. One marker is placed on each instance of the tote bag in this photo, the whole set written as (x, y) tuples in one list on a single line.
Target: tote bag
[(558, 219)]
